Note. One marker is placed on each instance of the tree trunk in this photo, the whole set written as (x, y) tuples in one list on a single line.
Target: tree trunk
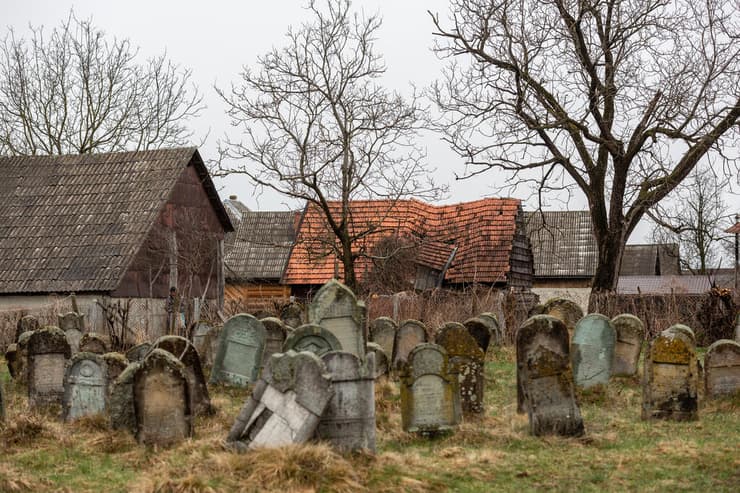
[(611, 248), (348, 262)]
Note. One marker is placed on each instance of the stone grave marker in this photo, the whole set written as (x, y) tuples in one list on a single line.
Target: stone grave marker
[(138, 352), (48, 352), (685, 330), (74, 337), (348, 422), (592, 350), (71, 320), (121, 401), (430, 391), (669, 387), (19, 363), (293, 315), (410, 334), (185, 352), (115, 364), (201, 340), (383, 332), (497, 333), (85, 386), (480, 331), (336, 309), (312, 338), (28, 323), (630, 334), (161, 401), (722, 368), (240, 349), (286, 405), (276, 334), (466, 359), (93, 343), (382, 361), (567, 311), (11, 360)]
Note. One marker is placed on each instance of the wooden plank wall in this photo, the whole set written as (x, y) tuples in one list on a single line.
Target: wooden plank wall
[(254, 297)]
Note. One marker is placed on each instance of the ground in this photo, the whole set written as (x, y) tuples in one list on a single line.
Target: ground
[(495, 451)]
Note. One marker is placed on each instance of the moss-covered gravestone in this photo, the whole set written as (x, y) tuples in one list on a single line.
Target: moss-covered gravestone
[(121, 400), (685, 330), (480, 330), (93, 343), (466, 359), (592, 350), (276, 335), (722, 369), (312, 338), (48, 352), (240, 349), (18, 361), (565, 310), (293, 315), (630, 334), (28, 323), (430, 391), (115, 364), (410, 334), (138, 352), (336, 309), (185, 352), (497, 332), (85, 386), (383, 332), (382, 361)]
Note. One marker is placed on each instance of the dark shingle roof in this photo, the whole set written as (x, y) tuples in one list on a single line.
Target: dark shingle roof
[(75, 223), (645, 260)]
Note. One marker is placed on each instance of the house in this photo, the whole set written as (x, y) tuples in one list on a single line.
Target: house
[(480, 242), (115, 229)]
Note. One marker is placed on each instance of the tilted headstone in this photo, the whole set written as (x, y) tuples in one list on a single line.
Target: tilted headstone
[(240, 349), (567, 311), (85, 386), (493, 324), (466, 359), (480, 331), (286, 404), (276, 334), (630, 334), (430, 391), (48, 352), (71, 320), (383, 332), (29, 323), (161, 400), (592, 350), (382, 361), (138, 352), (201, 340), (336, 309), (410, 334), (348, 422), (312, 338), (121, 401), (722, 368), (544, 378), (93, 343), (115, 364), (185, 352), (670, 378), (293, 315)]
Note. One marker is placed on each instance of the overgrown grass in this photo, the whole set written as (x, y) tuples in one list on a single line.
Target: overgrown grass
[(489, 452)]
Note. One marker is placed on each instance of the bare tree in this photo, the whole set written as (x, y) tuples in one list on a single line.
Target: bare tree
[(74, 91), (320, 128), (619, 99)]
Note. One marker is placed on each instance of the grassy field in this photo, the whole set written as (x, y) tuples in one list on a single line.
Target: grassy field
[(619, 451)]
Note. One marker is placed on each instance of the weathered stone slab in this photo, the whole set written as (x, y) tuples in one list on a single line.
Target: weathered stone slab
[(495, 327), (138, 352), (544, 378), (430, 393), (466, 359), (312, 338), (74, 337), (240, 349), (382, 361), (19, 364), (669, 388), (161, 401), (286, 405), (480, 330), (592, 350), (293, 315), (93, 343), (410, 334), (48, 352), (566, 310), (29, 323), (348, 422), (630, 334), (71, 320), (336, 309), (201, 334), (685, 330), (121, 401), (722, 368), (276, 335), (383, 332), (115, 364), (11, 359), (85, 386), (185, 352)]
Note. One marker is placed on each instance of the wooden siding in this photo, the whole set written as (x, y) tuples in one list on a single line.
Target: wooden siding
[(521, 270), (255, 296)]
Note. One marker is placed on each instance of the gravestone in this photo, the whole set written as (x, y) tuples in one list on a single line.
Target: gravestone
[(383, 332), (722, 368), (286, 405), (336, 309), (48, 352), (20, 363), (276, 334), (466, 359), (685, 330), (567, 311), (201, 340), (138, 352), (630, 334), (85, 386), (669, 387), (382, 361), (592, 350), (293, 315), (544, 378), (312, 338), (496, 331), (29, 323), (121, 401), (115, 364), (93, 343), (348, 422), (240, 349), (11, 360), (430, 391), (410, 334), (536, 310), (71, 320), (185, 352), (161, 400), (480, 331), (74, 337)]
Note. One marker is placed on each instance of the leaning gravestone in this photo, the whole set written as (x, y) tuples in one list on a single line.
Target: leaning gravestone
[(722, 368), (29, 323), (185, 352), (93, 343), (138, 352), (630, 334), (592, 350), (383, 332), (567, 311), (286, 405), (121, 401), (48, 352), (430, 392), (312, 338), (669, 386), (410, 334), (240, 349), (276, 334), (495, 327), (480, 331), (544, 377), (115, 364), (292, 315), (85, 386), (336, 309), (382, 361), (348, 422), (161, 401), (466, 359)]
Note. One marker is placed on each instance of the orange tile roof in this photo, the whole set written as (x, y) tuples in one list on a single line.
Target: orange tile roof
[(483, 232)]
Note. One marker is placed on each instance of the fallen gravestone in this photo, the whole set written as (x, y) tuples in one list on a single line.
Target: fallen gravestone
[(48, 352), (630, 334), (138, 352), (276, 334), (722, 369), (544, 378), (480, 330), (312, 338), (430, 392), (286, 405), (592, 350), (336, 309), (383, 332), (93, 343), (115, 363), (348, 422), (567, 311), (85, 386), (466, 358), (185, 352), (382, 361), (240, 349), (121, 401), (410, 334), (293, 315), (495, 327), (29, 323)]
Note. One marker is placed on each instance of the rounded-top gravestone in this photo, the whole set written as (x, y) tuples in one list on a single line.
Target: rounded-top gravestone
[(138, 352), (185, 352), (481, 331), (493, 324), (85, 386), (382, 361), (592, 350), (312, 338), (722, 368), (276, 335), (239, 357), (410, 334), (630, 334), (93, 343), (336, 308), (383, 332), (564, 309)]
